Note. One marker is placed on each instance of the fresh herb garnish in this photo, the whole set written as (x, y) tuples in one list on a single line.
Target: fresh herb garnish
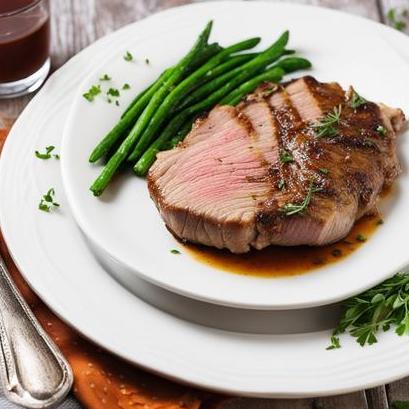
[(105, 77), (281, 184), (92, 93), (380, 222), (325, 171), (113, 92), (147, 62), (47, 201), (400, 404), (381, 131), (286, 157), (356, 100), (126, 86), (335, 344), (117, 103), (380, 308), (327, 126), (395, 19), (290, 209), (360, 237), (336, 252), (128, 56), (47, 154), (175, 251)]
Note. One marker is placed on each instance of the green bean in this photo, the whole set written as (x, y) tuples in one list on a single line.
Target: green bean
[(179, 92), (274, 74), (292, 64), (177, 73)]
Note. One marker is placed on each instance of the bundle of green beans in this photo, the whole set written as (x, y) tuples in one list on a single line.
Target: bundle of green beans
[(162, 115)]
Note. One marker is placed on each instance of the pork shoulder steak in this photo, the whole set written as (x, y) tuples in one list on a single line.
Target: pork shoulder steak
[(293, 164)]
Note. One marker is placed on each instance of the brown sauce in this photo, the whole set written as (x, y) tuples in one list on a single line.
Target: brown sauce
[(276, 261), (24, 40)]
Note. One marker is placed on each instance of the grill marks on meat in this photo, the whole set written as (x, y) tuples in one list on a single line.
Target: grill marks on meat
[(225, 185)]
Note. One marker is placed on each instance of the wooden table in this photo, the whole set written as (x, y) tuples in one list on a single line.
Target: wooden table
[(77, 23)]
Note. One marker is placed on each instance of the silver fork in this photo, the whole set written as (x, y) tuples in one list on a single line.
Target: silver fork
[(34, 373)]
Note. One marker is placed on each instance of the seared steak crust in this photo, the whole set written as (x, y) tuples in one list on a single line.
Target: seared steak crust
[(228, 184)]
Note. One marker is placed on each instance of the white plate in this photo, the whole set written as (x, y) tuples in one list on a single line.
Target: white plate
[(124, 222), (50, 251)]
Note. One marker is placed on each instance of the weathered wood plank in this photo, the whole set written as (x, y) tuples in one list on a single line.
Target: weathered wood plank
[(349, 401), (242, 403), (377, 398), (398, 391)]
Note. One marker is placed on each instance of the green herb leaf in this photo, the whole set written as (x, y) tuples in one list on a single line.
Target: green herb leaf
[(290, 209), (92, 93), (400, 404), (47, 154), (175, 251), (327, 126), (334, 343), (381, 131), (361, 238), (325, 171), (128, 56), (105, 77), (395, 18), (380, 222), (47, 201), (286, 157), (281, 184), (378, 309), (126, 86), (356, 100), (113, 92), (147, 62)]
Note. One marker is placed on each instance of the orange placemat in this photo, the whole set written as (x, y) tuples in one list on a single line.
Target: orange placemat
[(102, 380)]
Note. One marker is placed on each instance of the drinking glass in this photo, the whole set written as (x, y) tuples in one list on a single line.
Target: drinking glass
[(24, 46)]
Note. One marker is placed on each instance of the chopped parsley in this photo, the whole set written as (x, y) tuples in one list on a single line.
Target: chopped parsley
[(360, 237), (117, 103), (324, 171), (356, 100), (126, 86), (47, 201), (113, 92), (105, 77), (289, 209), (92, 93), (381, 131), (335, 344), (281, 184), (147, 62), (286, 157), (327, 126), (175, 251), (47, 154), (128, 56)]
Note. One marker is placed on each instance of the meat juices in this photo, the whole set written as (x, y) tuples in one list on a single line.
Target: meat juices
[(227, 184), (24, 40)]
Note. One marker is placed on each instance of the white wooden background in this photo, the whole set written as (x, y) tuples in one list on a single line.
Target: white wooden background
[(77, 23)]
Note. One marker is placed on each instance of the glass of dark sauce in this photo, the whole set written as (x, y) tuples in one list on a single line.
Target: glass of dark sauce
[(24, 46)]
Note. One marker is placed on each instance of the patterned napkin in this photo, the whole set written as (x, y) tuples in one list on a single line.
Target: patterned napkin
[(102, 380)]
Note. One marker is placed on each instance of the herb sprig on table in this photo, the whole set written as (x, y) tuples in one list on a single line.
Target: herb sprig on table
[(379, 309)]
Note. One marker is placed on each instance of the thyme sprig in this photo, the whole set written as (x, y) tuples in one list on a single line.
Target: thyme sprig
[(376, 310), (356, 100), (289, 209), (327, 126)]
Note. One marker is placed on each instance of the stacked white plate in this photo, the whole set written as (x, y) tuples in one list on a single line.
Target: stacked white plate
[(104, 265)]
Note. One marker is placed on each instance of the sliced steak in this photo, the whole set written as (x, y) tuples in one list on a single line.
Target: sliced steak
[(259, 174)]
